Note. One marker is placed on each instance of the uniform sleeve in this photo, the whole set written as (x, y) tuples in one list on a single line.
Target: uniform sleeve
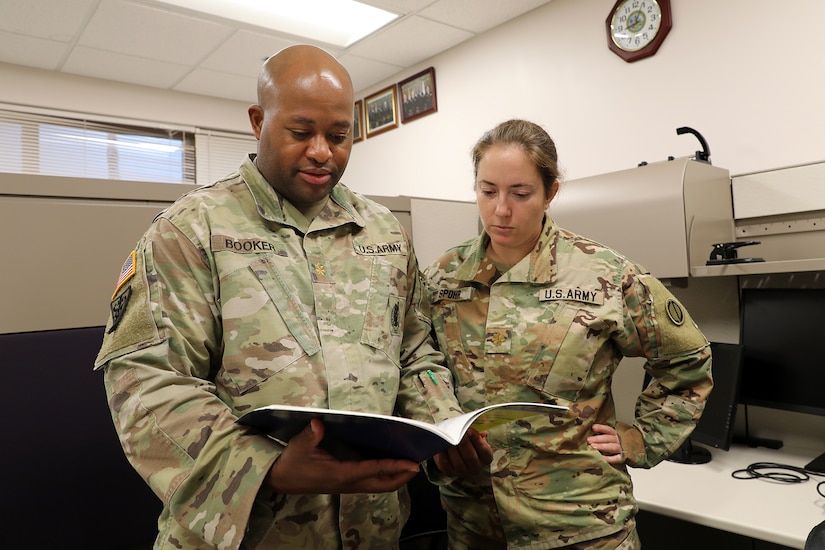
[(426, 385), (659, 328), (162, 346)]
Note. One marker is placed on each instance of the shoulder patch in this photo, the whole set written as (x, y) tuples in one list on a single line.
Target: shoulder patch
[(676, 330), (675, 312), (126, 273), (131, 324), (118, 307)]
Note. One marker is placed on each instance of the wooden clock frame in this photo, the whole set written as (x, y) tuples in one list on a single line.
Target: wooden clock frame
[(653, 46)]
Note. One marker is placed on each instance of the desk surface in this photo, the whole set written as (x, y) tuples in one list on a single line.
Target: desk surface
[(706, 494)]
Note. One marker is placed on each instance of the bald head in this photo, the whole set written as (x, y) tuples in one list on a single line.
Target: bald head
[(303, 122), (301, 65)]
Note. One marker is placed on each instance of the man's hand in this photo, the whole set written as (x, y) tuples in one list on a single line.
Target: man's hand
[(607, 442), (304, 468), (470, 455)]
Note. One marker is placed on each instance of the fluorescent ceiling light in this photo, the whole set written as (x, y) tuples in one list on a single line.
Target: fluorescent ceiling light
[(338, 22)]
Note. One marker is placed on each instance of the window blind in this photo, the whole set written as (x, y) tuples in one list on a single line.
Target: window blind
[(219, 154), (32, 143)]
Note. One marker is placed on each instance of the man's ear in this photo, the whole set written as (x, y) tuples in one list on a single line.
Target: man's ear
[(256, 119)]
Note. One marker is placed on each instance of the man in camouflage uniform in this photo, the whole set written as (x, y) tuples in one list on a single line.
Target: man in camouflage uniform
[(552, 327), (273, 285)]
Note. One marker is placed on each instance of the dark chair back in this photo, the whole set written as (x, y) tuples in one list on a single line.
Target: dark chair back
[(816, 538), (62, 452)]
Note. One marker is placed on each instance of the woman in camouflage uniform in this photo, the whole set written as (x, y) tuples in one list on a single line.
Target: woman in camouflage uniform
[(528, 311)]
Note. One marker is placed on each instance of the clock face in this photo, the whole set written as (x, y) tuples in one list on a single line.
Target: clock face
[(636, 28), (635, 24)]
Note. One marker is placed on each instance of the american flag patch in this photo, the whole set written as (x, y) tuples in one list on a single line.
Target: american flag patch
[(126, 273)]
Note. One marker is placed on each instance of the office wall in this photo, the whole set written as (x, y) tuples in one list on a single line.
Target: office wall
[(746, 75)]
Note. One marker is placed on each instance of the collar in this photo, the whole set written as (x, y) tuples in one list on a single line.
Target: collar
[(537, 267), (273, 207)]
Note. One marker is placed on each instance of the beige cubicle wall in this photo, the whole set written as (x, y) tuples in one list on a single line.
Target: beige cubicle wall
[(65, 240), (440, 224)]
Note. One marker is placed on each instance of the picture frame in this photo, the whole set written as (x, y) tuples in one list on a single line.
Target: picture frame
[(358, 122), (381, 111), (418, 95)]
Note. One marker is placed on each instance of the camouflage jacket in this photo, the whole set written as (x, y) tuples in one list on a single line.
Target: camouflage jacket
[(233, 301), (553, 329)]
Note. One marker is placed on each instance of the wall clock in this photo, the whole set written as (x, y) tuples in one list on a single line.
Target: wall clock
[(636, 28)]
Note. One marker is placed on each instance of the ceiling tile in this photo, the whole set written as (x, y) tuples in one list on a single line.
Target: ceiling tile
[(243, 53), (218, 84), (123, 68), (148, 43), (31, 52), (402, 7), (58, 21), (403, 44), (123, 27), (477, 15), (365, 72)]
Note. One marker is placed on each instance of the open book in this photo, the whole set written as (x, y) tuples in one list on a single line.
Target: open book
[(351, 435)]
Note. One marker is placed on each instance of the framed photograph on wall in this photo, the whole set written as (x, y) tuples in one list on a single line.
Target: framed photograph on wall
[(418, 95), (381, 111), (358, 122)]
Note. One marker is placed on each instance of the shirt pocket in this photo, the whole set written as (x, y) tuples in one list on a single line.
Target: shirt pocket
[(266, 328), (566, 353), (448, 331), (385, 306)]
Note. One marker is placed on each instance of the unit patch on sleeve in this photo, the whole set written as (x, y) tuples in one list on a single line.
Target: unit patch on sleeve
[(588, 296), (676, 330), (118, 307), (675, 312)]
